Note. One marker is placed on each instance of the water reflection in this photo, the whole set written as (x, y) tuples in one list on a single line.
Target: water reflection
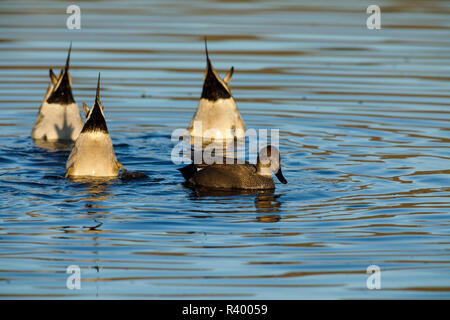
[(53, 145), (96, 190), (199, 192), (93, 184), (267, 203), (268, 218)]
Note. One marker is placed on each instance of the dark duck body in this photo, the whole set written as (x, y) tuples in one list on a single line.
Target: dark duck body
[(236, 176)]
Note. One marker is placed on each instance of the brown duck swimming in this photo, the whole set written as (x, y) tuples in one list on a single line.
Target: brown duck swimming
[(237, 176)]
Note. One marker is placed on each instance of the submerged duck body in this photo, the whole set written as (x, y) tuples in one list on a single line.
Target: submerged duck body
[(93, 153), (237, 176), (59, 117), (217, 116)]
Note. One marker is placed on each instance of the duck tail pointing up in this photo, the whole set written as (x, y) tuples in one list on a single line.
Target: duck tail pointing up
[(68, 58), (97, 94), (207, 54)]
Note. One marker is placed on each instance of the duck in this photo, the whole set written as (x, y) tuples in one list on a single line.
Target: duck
[(93, 153), (237, 176), (217, 117), (59, 117)]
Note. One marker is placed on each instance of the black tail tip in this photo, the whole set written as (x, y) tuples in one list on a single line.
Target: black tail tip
[(206, 49), (97, 94), (68, 56)]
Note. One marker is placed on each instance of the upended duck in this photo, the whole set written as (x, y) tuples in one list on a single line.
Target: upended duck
[(217, 117), (237, 176), (59, 117), (93, 153)]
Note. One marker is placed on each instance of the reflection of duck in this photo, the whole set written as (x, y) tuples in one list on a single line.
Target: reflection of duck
[(204, 192), (59, 117), (237, 176), (268, 218), (267, 203), (96, 190), (93, 153), (217, 116), (54, 145)]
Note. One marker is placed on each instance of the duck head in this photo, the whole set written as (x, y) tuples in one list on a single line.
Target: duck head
[(268, 162), (95, 118), (60, 90)]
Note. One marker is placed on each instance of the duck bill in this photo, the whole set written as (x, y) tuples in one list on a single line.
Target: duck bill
[(280, 177)]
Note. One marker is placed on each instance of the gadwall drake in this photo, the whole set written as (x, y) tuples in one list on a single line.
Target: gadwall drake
[(244, 176)]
